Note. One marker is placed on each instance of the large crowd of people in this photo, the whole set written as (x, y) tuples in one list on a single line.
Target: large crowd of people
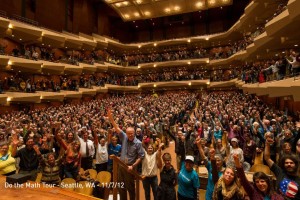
[(284, 65), (224, 131)]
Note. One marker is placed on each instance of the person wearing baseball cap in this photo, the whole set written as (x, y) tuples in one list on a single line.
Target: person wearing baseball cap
[(188, 180)]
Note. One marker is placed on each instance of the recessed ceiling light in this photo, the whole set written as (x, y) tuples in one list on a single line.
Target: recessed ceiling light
[(125, 3), (212, 2), (199, 4), (296, 45), (189, 40), (155, 44), (139, 1), (12, 35), (43, 44), (167, 10), (136, 14), (20, 39), (118, 4), (147, 13), (176, 8), (126, 16)]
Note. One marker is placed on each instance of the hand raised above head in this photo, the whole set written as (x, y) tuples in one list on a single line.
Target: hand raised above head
[(235, 156)]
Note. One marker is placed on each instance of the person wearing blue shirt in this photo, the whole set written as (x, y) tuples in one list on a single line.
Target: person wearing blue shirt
[(132, 154), (188, 180), (214, 168), (113, 149)]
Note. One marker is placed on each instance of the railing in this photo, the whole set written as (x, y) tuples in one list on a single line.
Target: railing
[(3, 14), (25, 20), (118, 163)]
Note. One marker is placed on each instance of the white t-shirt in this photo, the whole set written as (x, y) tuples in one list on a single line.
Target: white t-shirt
[(101, 154), (149, 165)]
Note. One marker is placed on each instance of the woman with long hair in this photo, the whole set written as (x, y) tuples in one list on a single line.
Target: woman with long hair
[(228, 186), (150, 165), (71, 158), (261, 188)]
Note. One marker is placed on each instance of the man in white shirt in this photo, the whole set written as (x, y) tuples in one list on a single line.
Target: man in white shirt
[(87, 150)]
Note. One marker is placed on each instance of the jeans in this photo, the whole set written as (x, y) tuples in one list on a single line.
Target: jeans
[(147, 182), (70, 171)]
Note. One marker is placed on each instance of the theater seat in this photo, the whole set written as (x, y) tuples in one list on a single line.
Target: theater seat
[(68, 181), (260, 168)]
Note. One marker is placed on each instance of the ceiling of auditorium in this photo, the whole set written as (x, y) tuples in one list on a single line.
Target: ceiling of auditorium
[(131, 10)]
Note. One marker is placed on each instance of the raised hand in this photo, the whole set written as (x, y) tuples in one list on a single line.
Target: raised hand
[(198, 142), (36, 148), (236, 157), (15, 139)]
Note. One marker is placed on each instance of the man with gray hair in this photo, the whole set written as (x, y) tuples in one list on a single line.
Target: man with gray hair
[(132, 154)]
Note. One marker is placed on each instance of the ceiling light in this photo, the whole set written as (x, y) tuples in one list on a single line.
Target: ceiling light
[(176, 8), (139, 46), (190, 83), (154, 85), (189, 40), (20, 39), (139, 67), (138, 1), (155, 44), (118, 4), (9, 62), (147, 13), (212, 2), (296, 45), (207, 38), (126, 16), (167, 10), (208, 83), (136, 14), (8, 99), (10, 26), (125, 3), (199, 4), (154, 65), (207, 61), (189, 62)]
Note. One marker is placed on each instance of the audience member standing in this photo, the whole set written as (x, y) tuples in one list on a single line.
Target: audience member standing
[(132, 154)]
